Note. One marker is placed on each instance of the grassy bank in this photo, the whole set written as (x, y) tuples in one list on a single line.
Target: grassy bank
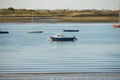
[(88, 19), (56, 19), (65, 15), (30, 19)]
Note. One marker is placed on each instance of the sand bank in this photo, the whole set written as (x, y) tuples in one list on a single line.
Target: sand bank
[(60, 76)]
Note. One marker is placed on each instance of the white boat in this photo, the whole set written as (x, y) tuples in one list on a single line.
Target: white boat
[(34, 31), (60, 37)]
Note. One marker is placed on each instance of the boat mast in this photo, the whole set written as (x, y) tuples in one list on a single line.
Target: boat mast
[(32, 17), (119, 14)]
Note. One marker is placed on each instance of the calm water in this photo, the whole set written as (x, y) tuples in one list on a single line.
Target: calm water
[(96, 50)]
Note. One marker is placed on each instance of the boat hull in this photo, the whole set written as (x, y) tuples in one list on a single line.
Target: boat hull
[(4, 32), (116, 25), (70, 30), (34, 31), (63, 39)]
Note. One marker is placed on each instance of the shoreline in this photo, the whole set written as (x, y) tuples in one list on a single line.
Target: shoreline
[(62, 76), (56, 20)]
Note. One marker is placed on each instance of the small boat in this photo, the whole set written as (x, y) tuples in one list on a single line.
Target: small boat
[(64, 30), (34, 31), (60, 37), (4, 32), (116, 25)]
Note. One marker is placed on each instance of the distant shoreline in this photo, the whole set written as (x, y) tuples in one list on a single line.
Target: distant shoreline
[(57, 16), (10, 19)]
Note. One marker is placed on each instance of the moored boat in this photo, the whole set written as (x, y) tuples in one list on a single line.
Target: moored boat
[(4, 32), (116, 25), (60, 37), (69, 30), (34, 31)]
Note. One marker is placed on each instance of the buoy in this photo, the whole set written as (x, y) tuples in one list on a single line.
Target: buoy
[(49, 39)]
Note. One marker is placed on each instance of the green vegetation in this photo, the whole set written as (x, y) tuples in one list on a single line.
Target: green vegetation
[(65, 15)]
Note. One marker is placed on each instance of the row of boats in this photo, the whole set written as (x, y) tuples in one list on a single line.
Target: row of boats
[(56, 37)]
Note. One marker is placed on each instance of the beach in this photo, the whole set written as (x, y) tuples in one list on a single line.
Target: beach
[(60, 76)]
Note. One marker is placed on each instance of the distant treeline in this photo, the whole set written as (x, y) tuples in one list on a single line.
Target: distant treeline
[(56, 13)]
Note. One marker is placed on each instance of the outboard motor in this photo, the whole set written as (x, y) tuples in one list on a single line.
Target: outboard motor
[(75, 38)]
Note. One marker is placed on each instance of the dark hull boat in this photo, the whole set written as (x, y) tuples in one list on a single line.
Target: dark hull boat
[(60, 37), (63, 39), (70, 30), (4, 32)]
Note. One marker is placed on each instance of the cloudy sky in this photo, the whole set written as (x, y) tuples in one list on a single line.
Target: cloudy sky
[(61, 4)]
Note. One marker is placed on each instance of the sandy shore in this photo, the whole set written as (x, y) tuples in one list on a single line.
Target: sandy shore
[(60, 76)]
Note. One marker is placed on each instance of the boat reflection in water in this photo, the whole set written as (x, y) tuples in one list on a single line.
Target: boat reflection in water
[(60, 37)]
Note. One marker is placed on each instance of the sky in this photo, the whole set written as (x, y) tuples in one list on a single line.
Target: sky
[(61, 4)]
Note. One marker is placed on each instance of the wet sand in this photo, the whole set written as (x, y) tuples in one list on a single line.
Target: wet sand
[(60, 76)]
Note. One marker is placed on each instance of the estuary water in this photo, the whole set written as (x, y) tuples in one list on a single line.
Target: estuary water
[(97, 48)]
